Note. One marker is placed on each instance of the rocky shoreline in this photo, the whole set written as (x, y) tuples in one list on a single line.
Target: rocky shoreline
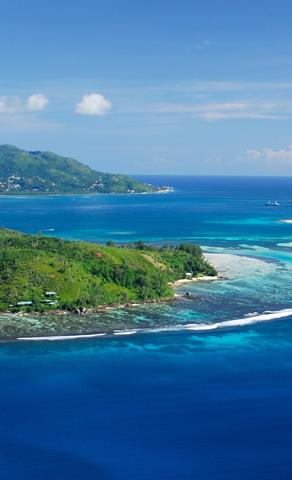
[(84, 322)]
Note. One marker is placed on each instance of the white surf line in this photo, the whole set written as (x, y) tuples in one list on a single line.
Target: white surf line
[(125, 332), (62, 337), (240, 322)]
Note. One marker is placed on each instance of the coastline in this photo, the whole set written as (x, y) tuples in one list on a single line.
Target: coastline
[(266, 316), (107, 321), (91, 194), (79, 316), (104, 308), (188, 281)]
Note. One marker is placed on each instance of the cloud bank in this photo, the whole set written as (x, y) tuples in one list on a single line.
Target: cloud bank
[(216, 111), (270, 154)]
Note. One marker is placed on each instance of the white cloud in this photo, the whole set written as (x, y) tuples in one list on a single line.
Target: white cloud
[(93, 104), (215, 111), (215, 116), (198, 108), (210, 101), (9, 105), (229, 86), (36, 102), (254, 154), (270, 154), (33, 103), (223, 107)]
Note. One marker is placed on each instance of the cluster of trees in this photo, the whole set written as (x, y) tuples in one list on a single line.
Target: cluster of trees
[(89, 275)]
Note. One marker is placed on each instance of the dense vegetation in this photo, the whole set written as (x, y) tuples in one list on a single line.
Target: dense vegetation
[(46, 172), (88, 275)]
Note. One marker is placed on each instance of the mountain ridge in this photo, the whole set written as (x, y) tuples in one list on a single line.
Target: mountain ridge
[(35, 171)]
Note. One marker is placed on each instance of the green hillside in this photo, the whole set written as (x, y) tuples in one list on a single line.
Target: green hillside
[(51, 273), (46, 172)]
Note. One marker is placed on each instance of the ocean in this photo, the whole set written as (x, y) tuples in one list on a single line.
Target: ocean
[(209, 398)]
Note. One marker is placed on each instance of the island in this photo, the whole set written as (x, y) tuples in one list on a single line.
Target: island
[(52, 276), (35, 172)]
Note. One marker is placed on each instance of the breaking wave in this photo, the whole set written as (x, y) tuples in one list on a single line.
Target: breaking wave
[(199, 327)]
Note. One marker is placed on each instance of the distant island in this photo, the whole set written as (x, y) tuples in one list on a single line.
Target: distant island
[(35, 172), (43, 274)]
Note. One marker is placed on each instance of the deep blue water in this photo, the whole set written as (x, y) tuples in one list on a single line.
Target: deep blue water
[(185, 405), (209, 210)]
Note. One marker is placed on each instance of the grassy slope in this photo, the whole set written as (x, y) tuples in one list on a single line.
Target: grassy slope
[(87, 274), (51, 173)]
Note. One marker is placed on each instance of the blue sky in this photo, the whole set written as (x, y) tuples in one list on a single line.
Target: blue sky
[(180, 87)]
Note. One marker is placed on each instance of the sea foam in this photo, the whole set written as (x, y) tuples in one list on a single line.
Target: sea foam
[(199, 327), (63, 337), (241, 322)]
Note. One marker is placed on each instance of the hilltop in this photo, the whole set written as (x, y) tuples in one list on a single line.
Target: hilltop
[(40, 273), (36, 172)]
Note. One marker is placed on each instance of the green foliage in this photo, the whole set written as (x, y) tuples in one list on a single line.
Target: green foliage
[(87, 274), (140, 245), (46, 172)]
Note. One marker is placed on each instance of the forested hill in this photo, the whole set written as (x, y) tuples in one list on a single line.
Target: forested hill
[(41, 273), (46, 172)]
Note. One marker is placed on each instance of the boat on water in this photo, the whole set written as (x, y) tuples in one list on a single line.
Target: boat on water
[(272, 204)]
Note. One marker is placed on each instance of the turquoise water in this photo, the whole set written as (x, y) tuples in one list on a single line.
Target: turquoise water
[(214, 211), (213, 402)]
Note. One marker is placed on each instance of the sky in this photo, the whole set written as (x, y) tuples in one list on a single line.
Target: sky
[(150, 87)]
